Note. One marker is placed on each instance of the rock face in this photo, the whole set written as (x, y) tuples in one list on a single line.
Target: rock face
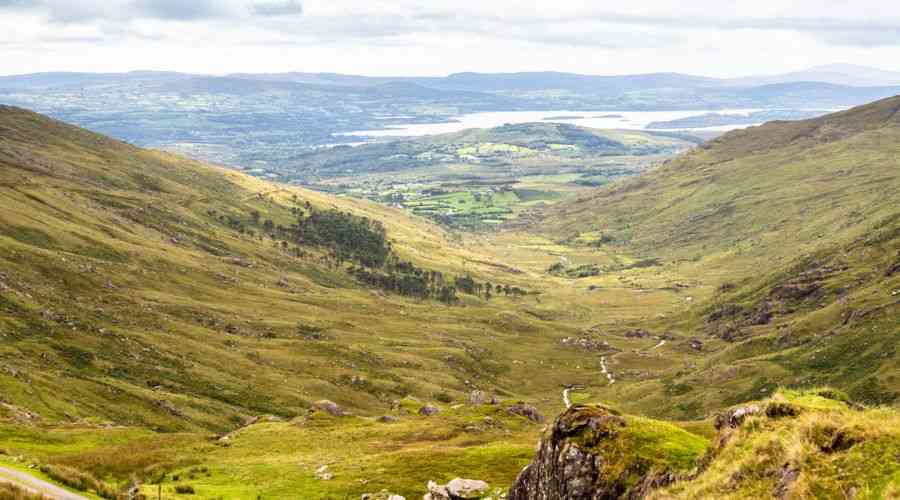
[(569, 464)]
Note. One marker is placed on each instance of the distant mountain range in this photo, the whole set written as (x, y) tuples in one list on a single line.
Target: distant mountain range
[(261, 120), (836, 74)]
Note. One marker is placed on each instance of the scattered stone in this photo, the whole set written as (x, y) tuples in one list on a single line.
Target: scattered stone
[(329, 407), (586, 343), (696, 345), (322, 474), (429, 410), (787, 476), (527, 411), (388, 419), (170, 408), (237, 261), (637, 334), (21, 415), (477, 397)]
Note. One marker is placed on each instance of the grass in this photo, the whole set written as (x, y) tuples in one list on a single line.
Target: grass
[(136, 324), (751, 461)]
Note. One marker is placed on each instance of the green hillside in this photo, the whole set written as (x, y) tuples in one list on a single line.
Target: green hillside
[(176, 326), (795, 229), (144, 289)]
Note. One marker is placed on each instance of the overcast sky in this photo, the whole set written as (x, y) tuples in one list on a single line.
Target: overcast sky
[(437, 37)]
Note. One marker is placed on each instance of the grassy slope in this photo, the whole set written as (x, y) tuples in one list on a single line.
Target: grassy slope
[(120, 291), (124, 303), (808, 207), (803, 446)]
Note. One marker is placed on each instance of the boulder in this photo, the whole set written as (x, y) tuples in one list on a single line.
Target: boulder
[(467, 489), (429, 410), (329, 407), (457, 489), (735, 417), (527, 411), (388, 419), (478, 397)]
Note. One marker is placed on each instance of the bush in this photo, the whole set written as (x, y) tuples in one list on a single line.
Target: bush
[(80, 481), (443, 397), (184, 489)]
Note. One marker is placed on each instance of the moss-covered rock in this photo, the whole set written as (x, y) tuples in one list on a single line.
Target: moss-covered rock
[(592, 452)]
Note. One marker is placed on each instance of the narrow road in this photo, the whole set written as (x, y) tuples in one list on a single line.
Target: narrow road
[(28, 482), (566, 398), (605, 371)]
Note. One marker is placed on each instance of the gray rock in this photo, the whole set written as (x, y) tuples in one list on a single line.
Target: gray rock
[(735, 417), (477, 397), (527, 411), (567, 464), (457, 489), (467, 489), (329, 407), (429, 410)]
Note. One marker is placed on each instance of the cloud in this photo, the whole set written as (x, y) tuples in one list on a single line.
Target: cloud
[(278, 8), (18, 3), (89, 11), (181, 10)]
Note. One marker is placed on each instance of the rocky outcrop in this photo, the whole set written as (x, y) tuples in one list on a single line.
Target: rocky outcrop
[(735, 417), (527, 411), (571, 462)]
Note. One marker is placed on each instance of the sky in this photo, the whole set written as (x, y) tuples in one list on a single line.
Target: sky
[(437, 37)]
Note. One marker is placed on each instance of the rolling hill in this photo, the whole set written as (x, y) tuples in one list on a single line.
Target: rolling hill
[(145, 289), (797, 225), (173, 326)]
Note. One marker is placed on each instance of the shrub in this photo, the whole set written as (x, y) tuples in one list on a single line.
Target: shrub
[(184, 489), (443, 397), (80, 481)]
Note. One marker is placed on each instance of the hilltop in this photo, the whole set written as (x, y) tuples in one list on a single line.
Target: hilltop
[(260, 121)]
